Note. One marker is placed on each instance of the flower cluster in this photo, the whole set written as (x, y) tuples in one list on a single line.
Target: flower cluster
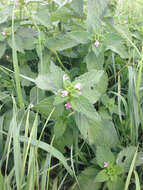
[(69, 90)]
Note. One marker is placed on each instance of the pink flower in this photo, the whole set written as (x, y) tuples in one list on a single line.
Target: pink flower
[(68, 106), (7, 57), (3, 33), (65, 77), (96, 43), (79, 93), (16, 3), (64, 93), (78, 86), (105, 164)]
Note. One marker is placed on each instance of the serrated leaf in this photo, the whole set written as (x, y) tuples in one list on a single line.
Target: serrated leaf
[(88, 128), (108, 135), (94, 62), (101, 176), (116, 185), (45, 82), (104, 154), (18, 43), (115, 43), (5, 13), (51, 81), (42, 16), (46, 106), (27, 36), (82, 105), (61, 42), (90, 78), (94, 17), (91, 94), (80, 36), (77, 6), (86, 180), (59, 127), (57, 75), (124, 158), (59, 99)]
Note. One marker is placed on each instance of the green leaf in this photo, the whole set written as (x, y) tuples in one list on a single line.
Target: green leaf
[(18, 43), (27, 36), (51, 81), (59, 127), (107, 135), (45, 82), (42, 16), (59, 99), (90, 78), (77, 6), (116, 185), (57, 75), (88, 128), (115, 43), (86, 180), (5, 13), (80, 36), (94, 17), (2, 48), (101, 176), (46, 106), (94, 62), (104, 154), (61, 42), (125, 157), (82, 105)]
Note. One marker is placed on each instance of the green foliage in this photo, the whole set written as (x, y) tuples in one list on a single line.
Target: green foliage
[(71, 94)]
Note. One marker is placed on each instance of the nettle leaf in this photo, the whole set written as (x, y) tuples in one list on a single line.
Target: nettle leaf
[(115, 43), (86, 180), (60, 127), (88, 128), (45, 82), (82, 105), (2, 48), (61, 42), (42, 16), (65, 41), (104, 154), (51, 81), (94, 17), (5, 14), (118, 184), (77, 6), (124, 158), (107, 135), (46, 106), (63, 14), (91, 94), (27, 36), (18, 43), (94, 62), (57, 75), (90, 78), (101, 176), (59, 99), (82, 37)]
